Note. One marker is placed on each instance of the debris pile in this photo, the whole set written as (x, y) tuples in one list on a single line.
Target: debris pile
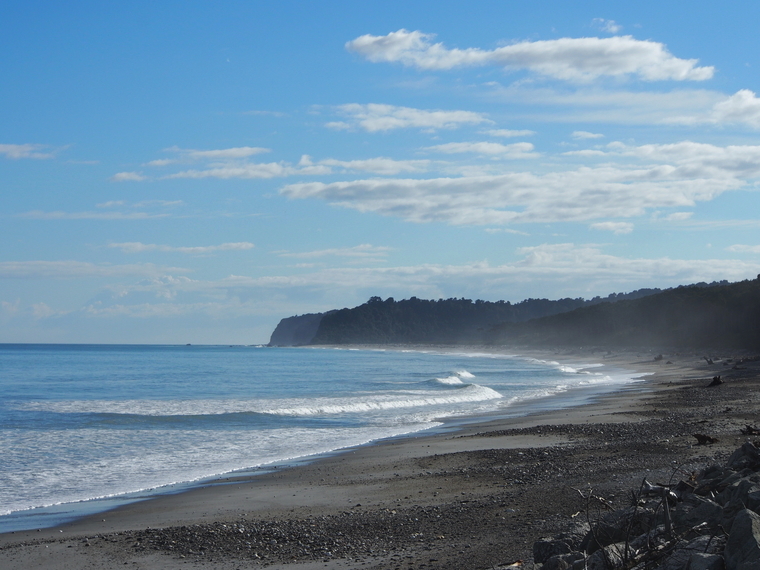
[(710, 521)]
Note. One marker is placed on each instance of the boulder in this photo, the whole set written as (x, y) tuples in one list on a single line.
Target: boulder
[(562, 561), (743, 546), (608, 558), (746, 456), (740, 489), (681, 555), (545, 548), (702, 561), (694, 511), (618, 526)]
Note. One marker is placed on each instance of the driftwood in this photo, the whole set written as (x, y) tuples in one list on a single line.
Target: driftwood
[(703, 439), (716, 381)]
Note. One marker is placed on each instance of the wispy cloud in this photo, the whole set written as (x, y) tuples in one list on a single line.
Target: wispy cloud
[(609, 26), (575, 267), (18, 151), (364, 252), (516, 150), (584, 135), (508, 133), (617, 228), (59, 215), (673, 176), (594, 104), (741, 108), (738, 248), (375, 117), (128, 177), (251, 170), (574, 59), (379, 165), (78, 270), (138, 247)]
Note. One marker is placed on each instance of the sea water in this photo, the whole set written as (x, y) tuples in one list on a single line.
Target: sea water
[(85, 427)]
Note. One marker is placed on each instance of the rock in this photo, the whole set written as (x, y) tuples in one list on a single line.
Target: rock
[(562, 561), (702, 561), (608, 558), (546, 548), (753, 501), (618, 526), (681, 556), (746, 456), (743, 545), (574, 535), (555, 563), (695, 510), (730, 510), (739, 489)]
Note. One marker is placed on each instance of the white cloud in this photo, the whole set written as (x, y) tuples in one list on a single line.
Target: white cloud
[(364, 252), (17, 151), (689, 173), (77, 270), (219, 154), (43, 311), (583, 135), (137, 247), (505, 231), (585, 152), (507, 133), (741, 108), (617, 228), (516, 150), (251, 170), (590, 104), (678, 216), (10, 309), (58, 215), (744, 248), (375, 117), (575, 59), (128, 177), (609, 26), (576, 268), (379, 165), (674, 176)]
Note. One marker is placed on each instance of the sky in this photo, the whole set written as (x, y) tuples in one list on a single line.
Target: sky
[(192, 172)]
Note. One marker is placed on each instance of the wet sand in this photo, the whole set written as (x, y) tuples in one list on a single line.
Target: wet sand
[(474, 496)]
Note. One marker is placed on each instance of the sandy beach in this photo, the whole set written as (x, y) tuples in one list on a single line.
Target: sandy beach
[(476, 495)]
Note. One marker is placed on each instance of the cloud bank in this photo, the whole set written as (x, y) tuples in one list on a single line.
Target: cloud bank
[(572, 59)]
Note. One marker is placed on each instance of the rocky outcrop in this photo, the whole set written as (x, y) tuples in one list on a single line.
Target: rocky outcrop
[(710, 522), (296, 331)]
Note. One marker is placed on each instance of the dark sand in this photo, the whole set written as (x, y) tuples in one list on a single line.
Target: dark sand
[(474, 497)]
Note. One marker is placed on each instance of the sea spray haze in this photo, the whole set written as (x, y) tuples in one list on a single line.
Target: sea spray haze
[(79, 422)]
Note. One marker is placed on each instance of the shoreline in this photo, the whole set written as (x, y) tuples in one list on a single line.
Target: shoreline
[(456, 473), (61, 514)]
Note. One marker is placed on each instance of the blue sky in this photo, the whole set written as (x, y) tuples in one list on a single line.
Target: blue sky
[(192, 172)]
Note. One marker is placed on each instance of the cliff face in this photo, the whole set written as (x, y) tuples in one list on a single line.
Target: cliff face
[(296, 331)]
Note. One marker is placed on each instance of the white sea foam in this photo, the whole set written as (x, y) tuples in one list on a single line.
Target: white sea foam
[(448, 381), (286, 407), (119, 462)]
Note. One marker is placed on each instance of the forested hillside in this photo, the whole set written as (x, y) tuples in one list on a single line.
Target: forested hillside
[(727, 315), (419, 321)]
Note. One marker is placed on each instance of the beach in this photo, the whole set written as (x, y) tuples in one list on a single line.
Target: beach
[(474, 495)]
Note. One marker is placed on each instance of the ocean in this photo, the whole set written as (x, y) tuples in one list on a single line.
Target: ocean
[(84, 428)]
